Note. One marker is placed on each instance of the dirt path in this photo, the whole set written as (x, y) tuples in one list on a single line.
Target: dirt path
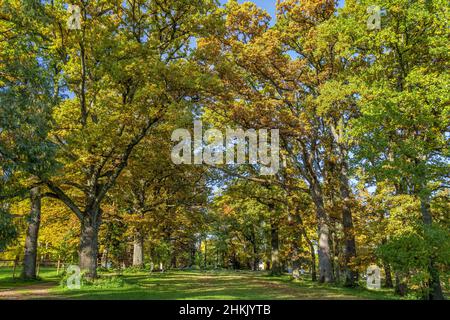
[(35, 291)]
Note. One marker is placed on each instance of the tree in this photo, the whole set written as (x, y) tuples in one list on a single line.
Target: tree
[(121, 72), (274, 76), (404, 124), (26, 101)]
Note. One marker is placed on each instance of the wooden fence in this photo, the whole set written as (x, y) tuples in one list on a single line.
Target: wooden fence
[(16, 264)]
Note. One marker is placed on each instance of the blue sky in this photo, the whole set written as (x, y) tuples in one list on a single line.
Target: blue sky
[(269, 5)]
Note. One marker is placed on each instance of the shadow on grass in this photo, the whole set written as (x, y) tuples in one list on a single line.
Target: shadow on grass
[(194, 285), (8, 282)]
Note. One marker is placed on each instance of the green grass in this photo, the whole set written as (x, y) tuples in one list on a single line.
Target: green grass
[(194, 285), (46, 274), (191, 285)]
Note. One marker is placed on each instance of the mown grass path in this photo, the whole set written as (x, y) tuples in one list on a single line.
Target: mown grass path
[(219, 285), (184, 285), (30, 292)]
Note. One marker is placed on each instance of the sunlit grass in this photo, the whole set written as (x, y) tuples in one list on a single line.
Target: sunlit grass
[(194, 285), (46, 274)]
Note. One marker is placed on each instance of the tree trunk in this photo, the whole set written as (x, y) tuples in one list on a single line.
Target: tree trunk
[(311, 246), (336, 257), (400, 287), (274, 241), (296, 260), (173, 262), (351, 275), (434, 282), (296, 246), (313, 264), (206, 252), (387, 270), (138, 250), (255, 255), (31, 240), (325, 263), (89, 243), (192, 256)]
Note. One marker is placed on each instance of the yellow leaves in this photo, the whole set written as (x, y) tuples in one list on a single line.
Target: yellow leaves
[(209, 47), (246, 21), (306, 11)]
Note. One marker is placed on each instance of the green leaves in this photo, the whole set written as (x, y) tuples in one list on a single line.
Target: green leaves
[(8, 231)]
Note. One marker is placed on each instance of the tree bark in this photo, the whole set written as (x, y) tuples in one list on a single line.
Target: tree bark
[(313, 263), (336, 254), (311, 247), (351, 275), (275, 267), (296, 250), (206, 253), (325, 263), (31, 240), (89, 243), (296, 245), (138, 250), (255, 259), (387, 270), (173, 262), (192, 255)]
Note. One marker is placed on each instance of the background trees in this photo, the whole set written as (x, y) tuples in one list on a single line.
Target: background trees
[(86, 119)]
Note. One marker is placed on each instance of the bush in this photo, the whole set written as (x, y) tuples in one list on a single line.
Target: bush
[(410, 253), (8, 231), (105, 282)]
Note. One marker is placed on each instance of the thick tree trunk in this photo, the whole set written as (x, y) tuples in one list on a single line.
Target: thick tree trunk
[(89, 243), (434, 283), (336, 254), (275, 267), (138, 250), (325, 263), (296, 250), (31, 240), (351, 275)]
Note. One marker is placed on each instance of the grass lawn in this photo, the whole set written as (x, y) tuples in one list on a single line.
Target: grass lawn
[(188, 285), (7, 281), (218, 285)]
